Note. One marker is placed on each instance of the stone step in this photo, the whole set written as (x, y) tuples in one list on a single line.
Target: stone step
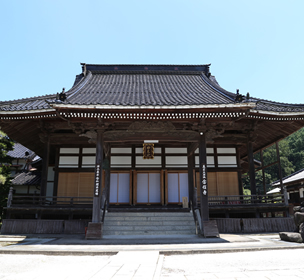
[(146, 232), (148, 223), (148, 218), (149, 214), (150, 228)]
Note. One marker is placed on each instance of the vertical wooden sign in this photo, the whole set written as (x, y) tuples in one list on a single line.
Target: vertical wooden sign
[(203, 177), (96, 214), (97, 180)]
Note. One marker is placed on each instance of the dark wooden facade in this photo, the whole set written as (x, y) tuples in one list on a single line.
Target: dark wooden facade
[(204, 138)]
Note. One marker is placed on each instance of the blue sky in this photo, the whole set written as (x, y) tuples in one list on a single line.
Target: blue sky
[(255, 46)]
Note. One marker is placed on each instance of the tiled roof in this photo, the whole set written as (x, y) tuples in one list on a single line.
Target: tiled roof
[(266, 105), (27, 178), (27, 104), (144, 85), (19, 152), (146, 89)]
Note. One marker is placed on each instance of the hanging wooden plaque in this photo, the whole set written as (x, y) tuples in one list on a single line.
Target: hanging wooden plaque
[(148, 151)]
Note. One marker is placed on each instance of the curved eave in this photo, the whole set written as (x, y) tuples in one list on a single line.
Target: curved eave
[(27, 112), (275, 113), (203, 106), (76, 88)]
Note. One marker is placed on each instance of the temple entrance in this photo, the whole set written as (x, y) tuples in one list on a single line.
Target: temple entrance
[(148, 188)]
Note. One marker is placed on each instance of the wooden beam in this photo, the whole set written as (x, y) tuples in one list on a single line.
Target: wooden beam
[(191, 148), (174, 135)]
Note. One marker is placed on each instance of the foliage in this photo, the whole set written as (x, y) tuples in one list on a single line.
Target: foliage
[(258, 181), (5, 145), (296, 144), (291, 157), (247, 192)]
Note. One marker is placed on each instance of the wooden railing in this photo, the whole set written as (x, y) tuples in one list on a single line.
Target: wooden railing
[(49, 201), (246, 200), (70, 201)]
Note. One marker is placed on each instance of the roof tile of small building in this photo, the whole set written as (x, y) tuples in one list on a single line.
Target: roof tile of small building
[(294, 177), (19, 152), (27, 178)]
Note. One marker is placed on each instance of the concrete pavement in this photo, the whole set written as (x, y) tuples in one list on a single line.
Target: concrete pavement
[(164, 244), (149, 257)]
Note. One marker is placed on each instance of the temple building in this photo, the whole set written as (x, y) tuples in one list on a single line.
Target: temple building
[(144, 139)]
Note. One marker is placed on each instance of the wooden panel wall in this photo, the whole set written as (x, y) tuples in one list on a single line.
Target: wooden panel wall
[(68, 184), (21, 226), (18, 226), (75, 184), (212, 183), (255, 225), (86, 184), (75, 226), (220, 183), (227, 183)]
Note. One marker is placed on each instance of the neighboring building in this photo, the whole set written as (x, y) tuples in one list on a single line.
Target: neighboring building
[(146, 138), (22, 156), (25, 170), (294, 184)]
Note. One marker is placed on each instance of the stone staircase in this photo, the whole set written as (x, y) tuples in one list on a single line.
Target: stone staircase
[(148, 223)]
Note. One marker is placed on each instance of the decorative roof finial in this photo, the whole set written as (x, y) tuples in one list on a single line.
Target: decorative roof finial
[(84, 69), (239, 98), (62, 95)]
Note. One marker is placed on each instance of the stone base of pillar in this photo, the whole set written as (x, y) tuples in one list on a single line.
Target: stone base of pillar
[(94, 231)]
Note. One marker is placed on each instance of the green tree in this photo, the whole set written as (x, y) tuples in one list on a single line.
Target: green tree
[(6, 145), (258, 181), (270, 156), (296, 144), (272, 171)]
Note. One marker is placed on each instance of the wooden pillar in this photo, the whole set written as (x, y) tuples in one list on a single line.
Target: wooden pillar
[(107, 168), (283, 189), (240, 183), (94, 230), (45, 165), (251, 167), (55, 189), (191, 165), (280, 168), (263, 171), (96, 215), (203, 177)]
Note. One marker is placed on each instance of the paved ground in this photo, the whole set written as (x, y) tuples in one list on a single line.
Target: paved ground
[(72, 257)]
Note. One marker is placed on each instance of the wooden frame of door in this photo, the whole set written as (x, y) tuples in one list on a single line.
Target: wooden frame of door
[(130, 186), (161, 172), (167, 185)]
